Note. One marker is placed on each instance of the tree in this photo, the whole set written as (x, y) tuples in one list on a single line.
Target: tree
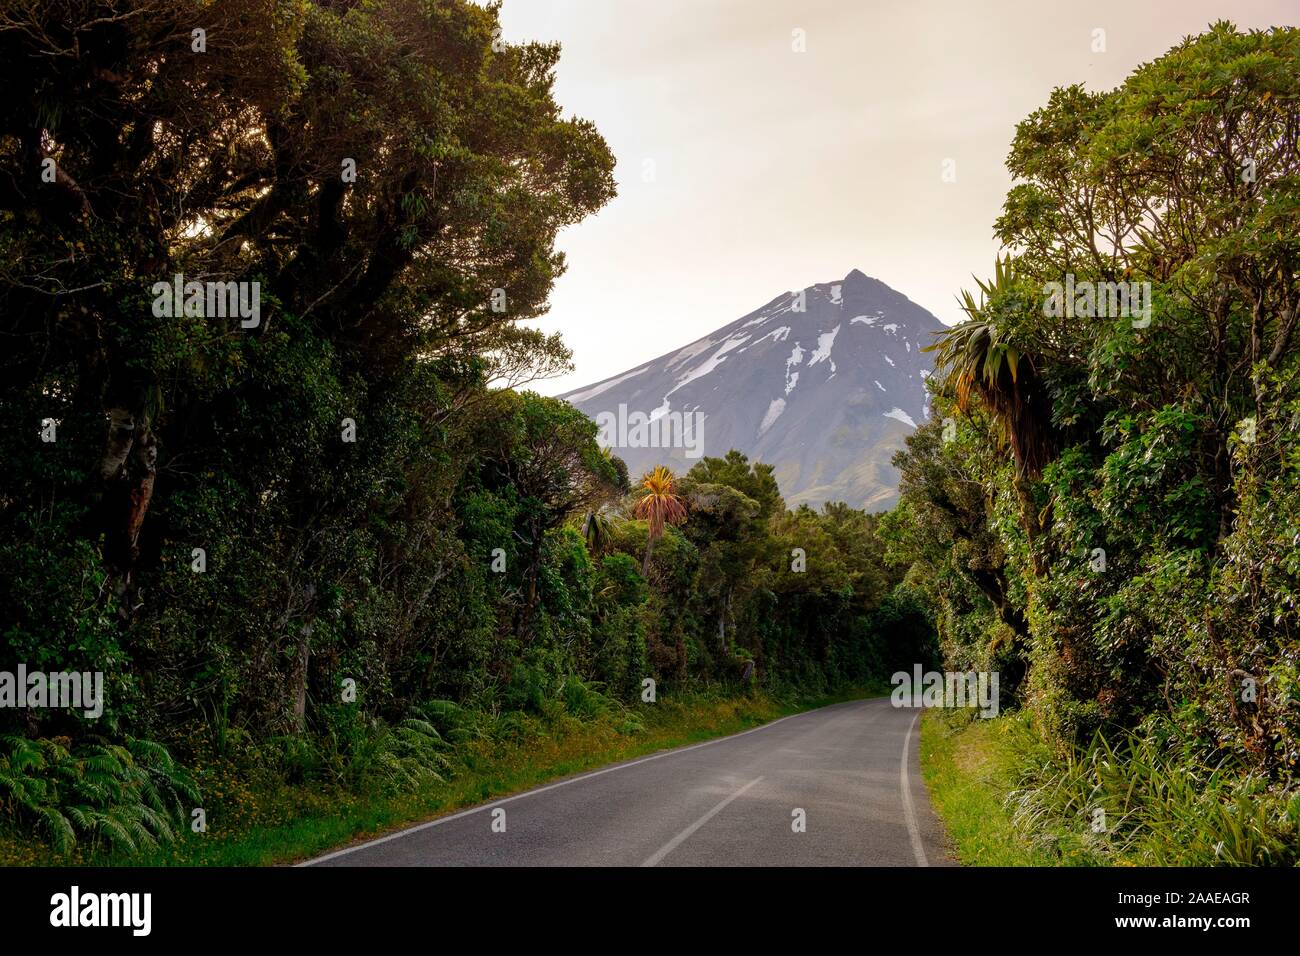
[(732, 504), (596, 531), (355, 160), (1147, 411), (386, 180), (658, 504), (545, 451), (734, 470)]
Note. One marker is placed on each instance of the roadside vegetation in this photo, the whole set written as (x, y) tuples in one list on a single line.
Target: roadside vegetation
[(1105, 506), (338, 567), (1007, 799)]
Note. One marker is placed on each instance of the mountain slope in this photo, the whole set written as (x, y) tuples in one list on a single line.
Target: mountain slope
[(825, 394)]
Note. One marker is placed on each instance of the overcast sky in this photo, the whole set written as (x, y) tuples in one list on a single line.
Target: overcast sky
[(746, 168)]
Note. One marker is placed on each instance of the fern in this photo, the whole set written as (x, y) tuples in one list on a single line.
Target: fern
[(123, 797)]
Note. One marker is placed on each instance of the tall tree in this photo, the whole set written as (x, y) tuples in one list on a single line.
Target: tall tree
[(658, 504), (390, 173)]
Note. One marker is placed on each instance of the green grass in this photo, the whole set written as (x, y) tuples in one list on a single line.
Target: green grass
[(970, 768), (1156, 800), (267, 822), (1009, 800)]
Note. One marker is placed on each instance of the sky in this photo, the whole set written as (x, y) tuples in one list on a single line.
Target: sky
[(767, 145)]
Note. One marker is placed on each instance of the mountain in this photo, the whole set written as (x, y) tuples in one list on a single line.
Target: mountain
[(823, 383)]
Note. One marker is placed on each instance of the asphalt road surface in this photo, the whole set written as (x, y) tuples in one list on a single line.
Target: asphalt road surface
[(851, 768)]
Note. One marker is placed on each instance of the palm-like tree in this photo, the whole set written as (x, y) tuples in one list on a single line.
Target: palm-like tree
[(977, 359), (596, 530), (658, 505)]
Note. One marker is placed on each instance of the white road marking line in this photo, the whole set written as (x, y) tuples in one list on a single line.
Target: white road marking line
[(909, 812), (552, 786), (682, 837)]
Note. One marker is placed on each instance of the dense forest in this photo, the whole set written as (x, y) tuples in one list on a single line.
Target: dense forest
[(312, 533), (1105, 508)]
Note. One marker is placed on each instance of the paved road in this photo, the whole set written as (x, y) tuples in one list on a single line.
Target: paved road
[(852, 768)]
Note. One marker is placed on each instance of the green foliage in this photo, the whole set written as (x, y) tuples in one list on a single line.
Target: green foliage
[(129, 796), (1134, 570), (1149, 801)]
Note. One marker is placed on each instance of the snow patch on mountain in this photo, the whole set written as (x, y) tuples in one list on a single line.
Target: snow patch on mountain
[(606, 386), (709, 364), (774, 411), (900, 415), (825, 342), (692, 350), (767, 315)]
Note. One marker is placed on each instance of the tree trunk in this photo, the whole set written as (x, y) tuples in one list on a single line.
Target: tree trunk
[(529, 610), (300, 680), (127, 470), (1034, 527), (722, 620), (303, 658)]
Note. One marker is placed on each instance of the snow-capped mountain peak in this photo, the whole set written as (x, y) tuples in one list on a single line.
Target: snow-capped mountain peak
[(822, 382)]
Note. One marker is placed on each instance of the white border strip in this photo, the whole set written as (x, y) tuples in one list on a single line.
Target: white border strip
[(909, 811)]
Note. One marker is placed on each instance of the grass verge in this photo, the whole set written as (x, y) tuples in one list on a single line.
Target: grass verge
[(1145, 800), (970, 767)]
